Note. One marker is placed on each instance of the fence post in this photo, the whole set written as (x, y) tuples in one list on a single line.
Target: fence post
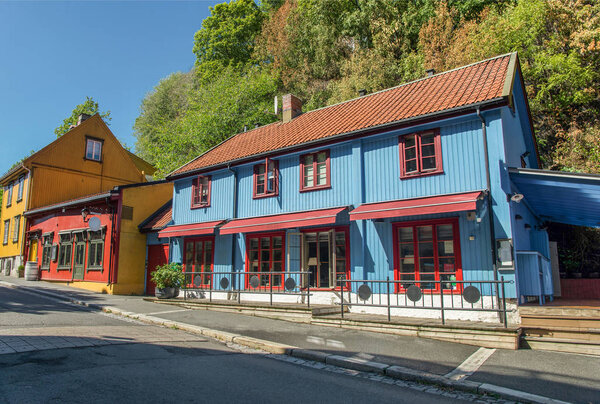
[(504, 303), (271, 289), (388, 299), (210, 285), (442, 301), (342, 284), (239, 287), (308, 292)]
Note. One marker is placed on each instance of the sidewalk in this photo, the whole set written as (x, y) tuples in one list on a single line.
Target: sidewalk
[(524, 375)]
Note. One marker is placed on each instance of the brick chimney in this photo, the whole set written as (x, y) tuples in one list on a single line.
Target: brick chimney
[(82, 117), (292, 107)]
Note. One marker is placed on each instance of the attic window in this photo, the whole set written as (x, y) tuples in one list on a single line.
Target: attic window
[(93, 149)]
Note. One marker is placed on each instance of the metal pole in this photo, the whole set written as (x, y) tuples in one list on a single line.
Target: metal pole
[(239, 287), (442, 301), (210, 292), (388, 299), (504, 303)]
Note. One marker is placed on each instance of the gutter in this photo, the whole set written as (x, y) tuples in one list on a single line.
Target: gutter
[(234, 213), (66, 204), (462, 110)]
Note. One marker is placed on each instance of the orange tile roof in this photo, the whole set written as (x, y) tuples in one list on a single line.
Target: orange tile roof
[(159, 219), (479, 82)]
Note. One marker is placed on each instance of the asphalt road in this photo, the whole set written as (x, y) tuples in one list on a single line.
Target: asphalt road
[(76, 355)]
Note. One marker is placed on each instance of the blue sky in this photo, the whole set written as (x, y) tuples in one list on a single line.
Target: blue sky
[(55, 53)]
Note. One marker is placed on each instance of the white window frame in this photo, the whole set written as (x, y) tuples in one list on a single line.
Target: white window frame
[(96, 144)]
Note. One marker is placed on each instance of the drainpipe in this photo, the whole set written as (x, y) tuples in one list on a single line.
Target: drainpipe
[(24, 248), (233, 215), (489, 204)]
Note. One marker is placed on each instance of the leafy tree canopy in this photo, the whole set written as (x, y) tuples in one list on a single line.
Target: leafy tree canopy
[(89, 106)]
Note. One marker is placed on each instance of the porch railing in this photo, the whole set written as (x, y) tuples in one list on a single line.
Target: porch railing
[(442, 295), (274, 283)]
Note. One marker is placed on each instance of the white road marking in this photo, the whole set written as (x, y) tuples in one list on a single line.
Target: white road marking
[(165, 312), (471, 364), (325, 342), (335, 344)]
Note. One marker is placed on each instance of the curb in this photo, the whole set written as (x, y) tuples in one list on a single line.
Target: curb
[(393, 371)]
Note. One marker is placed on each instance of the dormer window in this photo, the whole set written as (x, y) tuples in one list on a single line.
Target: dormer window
[(266, 179), (420, 154), (201, 191), (93, 149)]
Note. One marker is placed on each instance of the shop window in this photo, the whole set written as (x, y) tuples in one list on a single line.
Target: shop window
[(16, 228), (93, 149), (315, 171), (46, 250), (326, 257), (428, 253), (266, 179), (265, 254), (199, 261), (95, 249), (6, 231), (201, 191), (65, 251), (420, 154)]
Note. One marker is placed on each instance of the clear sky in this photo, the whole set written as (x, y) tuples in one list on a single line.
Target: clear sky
[(55, 53)]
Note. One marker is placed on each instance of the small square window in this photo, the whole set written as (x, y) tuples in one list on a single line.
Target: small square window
[(266, 179), (315, 171), (93, 149), (201, 191), (420, 154)]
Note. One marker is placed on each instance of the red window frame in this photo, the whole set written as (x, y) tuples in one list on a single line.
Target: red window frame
[(457, 252), (346, 231), (419, 157), (327, 184), (198, 188), (193, 241), (275, 173), (249, 273)]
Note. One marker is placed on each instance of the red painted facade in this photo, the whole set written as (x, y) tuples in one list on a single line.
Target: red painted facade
[(56, 222)]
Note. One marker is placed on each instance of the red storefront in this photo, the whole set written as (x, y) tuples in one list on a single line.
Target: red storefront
[(68, 249)]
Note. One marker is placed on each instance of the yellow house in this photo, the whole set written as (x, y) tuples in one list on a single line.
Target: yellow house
[(86, 160)]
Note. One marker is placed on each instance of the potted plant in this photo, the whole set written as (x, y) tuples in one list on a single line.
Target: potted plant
[(168, 279)]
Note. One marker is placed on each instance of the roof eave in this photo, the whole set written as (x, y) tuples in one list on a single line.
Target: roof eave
[(462, 110), (76, 202)]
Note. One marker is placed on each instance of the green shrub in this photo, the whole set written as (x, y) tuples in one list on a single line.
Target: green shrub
[(168, 276)]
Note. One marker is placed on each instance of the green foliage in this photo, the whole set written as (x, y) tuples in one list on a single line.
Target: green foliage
[(226, 38), (89, 106), (168, 276)]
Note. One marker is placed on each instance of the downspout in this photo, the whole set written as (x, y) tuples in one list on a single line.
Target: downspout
[(25, 221), (117, 240), (489, 205), (233, 216)]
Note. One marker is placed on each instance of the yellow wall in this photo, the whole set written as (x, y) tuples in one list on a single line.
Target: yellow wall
[(61, 172), (145, 200), (17, 208)]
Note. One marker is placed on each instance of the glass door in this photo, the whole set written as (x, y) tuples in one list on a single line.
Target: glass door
[(318, 259), (199, 260)]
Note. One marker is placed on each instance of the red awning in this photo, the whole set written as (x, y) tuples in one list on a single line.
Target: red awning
[(418, 206), (280, 222), (196, 229)]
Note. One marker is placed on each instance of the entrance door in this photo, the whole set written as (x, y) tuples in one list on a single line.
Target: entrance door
[(318, 259), (157, 255), (33, 249), (79, 257), (199, 260)]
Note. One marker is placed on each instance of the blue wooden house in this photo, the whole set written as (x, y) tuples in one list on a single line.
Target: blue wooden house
[(413, 184)]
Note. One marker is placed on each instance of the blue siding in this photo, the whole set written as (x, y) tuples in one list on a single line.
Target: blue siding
[(221, 204), (462, 158), (290, 198)]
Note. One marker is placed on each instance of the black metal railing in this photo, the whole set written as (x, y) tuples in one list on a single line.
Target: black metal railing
[(274, 283), (442, 295)]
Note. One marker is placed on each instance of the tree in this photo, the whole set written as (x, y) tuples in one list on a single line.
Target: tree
[(226, 38), (89, 106)]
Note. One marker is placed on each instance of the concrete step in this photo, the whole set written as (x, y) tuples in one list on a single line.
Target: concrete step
[(561, 345), (560, 312), (562, 333), (489, 337)]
